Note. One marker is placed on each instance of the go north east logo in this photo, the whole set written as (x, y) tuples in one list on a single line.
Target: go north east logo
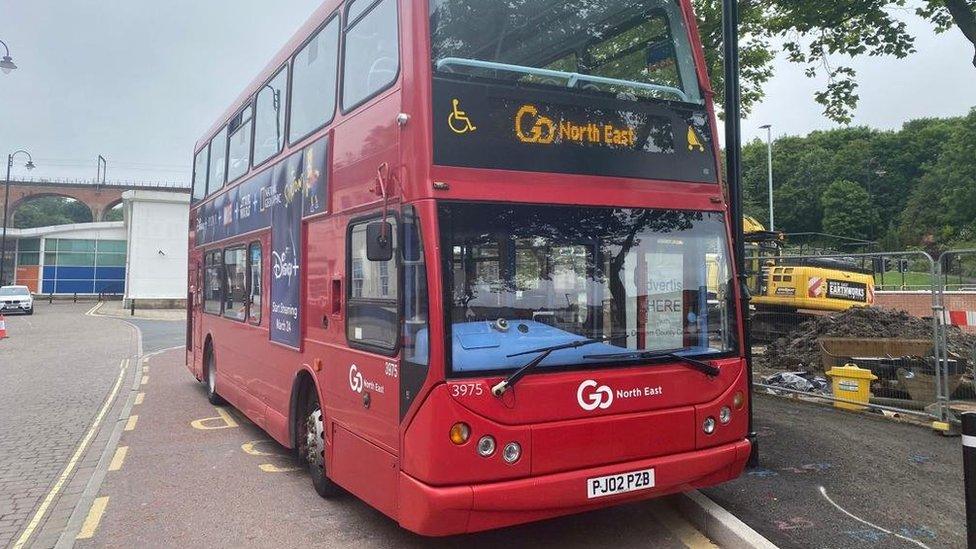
[(590, 395)]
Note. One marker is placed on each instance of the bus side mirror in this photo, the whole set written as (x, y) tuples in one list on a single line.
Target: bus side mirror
[(379, 241)]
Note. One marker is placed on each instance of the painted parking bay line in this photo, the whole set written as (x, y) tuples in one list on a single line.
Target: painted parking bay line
[(94, 518), (119, 458), (223, 420), (73, 462)]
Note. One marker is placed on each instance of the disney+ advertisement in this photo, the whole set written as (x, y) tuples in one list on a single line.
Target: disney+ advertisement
[(281, 197)]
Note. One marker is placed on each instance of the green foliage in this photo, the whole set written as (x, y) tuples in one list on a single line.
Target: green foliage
[(115, 214), (915, 187), (818, 35), (50, 210), (848, 211)]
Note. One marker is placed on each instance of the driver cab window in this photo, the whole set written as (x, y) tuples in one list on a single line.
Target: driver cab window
[(371, 57), (372, 301)]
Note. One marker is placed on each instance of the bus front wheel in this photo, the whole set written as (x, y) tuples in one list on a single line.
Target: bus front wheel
[(311, 449)]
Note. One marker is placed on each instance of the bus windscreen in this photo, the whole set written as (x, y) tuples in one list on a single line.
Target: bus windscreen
[(597, 88), (524, 277)]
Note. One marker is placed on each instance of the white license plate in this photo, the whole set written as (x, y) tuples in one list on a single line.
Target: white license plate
[(609, 485)]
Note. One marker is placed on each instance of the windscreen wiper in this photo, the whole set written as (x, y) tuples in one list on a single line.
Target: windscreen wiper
[(703, 367), (504, 385)]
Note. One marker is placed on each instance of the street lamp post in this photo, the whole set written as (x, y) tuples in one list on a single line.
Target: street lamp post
[(769, 169), (6, 203), (7, 63)]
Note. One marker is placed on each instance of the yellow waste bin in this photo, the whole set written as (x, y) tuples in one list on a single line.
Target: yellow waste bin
[(851, 383)]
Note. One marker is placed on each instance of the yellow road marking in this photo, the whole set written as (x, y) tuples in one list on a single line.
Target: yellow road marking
[(686, 533), (269, 468), (72, 463), (145, 369), (249, 448), (93, 519), (223, 416), (131, 424), (145, 380), (139, 397), (118, 458)]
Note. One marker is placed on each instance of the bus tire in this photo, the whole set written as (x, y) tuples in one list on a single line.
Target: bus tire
[(311, 446), (210, 377)]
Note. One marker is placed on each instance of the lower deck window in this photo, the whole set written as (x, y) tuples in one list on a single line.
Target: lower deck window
[(212, 283), (235, 273)]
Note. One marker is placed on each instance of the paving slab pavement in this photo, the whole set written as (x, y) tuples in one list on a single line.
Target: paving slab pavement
[(57, 368)]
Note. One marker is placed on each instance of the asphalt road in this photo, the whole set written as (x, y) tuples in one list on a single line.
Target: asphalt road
[(900, 477), (193, 475)]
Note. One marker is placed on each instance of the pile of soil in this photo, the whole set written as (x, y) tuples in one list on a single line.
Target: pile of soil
[(799, 349)]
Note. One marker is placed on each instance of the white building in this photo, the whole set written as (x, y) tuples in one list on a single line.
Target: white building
[(156, 225), (143, 258)]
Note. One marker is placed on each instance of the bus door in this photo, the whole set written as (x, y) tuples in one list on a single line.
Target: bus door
[(195, 318), (363, 376)]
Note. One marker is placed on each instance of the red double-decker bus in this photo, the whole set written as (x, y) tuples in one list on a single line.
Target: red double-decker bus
[(471, 260)]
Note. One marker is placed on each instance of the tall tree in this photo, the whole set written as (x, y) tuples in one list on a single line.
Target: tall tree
[(818, 35), (848, 211)]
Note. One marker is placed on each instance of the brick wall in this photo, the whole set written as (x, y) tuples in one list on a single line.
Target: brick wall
[(920, 303)]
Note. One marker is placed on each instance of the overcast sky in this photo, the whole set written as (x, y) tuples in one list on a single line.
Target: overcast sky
[(139, 81)]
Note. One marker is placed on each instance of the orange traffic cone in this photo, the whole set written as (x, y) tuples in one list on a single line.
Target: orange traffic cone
[(3, 328)]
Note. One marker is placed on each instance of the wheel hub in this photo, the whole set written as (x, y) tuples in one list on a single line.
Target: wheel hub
[(314, 438)]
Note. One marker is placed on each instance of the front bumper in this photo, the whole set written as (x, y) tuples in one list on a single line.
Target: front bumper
[(16, 307), (442, 511)]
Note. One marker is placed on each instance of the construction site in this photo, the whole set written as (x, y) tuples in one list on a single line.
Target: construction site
[(890, 333)]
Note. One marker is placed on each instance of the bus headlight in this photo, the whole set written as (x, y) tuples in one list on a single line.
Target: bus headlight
[(486, 446), (709, 425), (511, 452), (725, 415), (460, 433)]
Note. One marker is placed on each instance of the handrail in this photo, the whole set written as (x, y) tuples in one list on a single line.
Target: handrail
[(571, 77)]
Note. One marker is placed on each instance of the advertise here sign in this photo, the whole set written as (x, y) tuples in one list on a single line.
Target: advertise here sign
[(665, 308)]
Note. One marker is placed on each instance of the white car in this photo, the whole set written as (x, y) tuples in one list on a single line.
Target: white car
[(16, 299)]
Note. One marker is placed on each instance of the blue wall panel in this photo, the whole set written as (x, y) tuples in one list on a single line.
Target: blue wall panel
[(110, 273), (76, 273), (110, 286), (75, 287)]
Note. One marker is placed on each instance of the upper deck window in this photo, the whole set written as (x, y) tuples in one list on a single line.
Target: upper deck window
[(200, 166), (269, 118), (621, 48), (313, 86), (371, 58), (218, 162), (239, 151)]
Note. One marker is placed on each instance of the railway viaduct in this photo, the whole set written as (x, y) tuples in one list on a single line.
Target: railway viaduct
[(98, 197)]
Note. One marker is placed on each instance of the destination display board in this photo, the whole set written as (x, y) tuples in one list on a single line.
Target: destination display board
[(481, 125)]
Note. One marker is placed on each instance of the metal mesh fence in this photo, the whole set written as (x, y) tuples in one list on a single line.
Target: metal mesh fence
[(865, 328)]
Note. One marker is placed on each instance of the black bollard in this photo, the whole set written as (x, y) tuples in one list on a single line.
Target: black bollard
[(969, 473), (132, 304)]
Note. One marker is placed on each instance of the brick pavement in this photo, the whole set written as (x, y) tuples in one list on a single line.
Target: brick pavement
[(56, 369)]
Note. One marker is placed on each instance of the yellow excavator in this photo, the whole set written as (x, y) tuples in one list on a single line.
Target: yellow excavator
[(786, 291)]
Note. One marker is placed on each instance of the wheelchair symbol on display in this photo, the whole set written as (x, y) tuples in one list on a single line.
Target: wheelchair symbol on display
[(458, 120)]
